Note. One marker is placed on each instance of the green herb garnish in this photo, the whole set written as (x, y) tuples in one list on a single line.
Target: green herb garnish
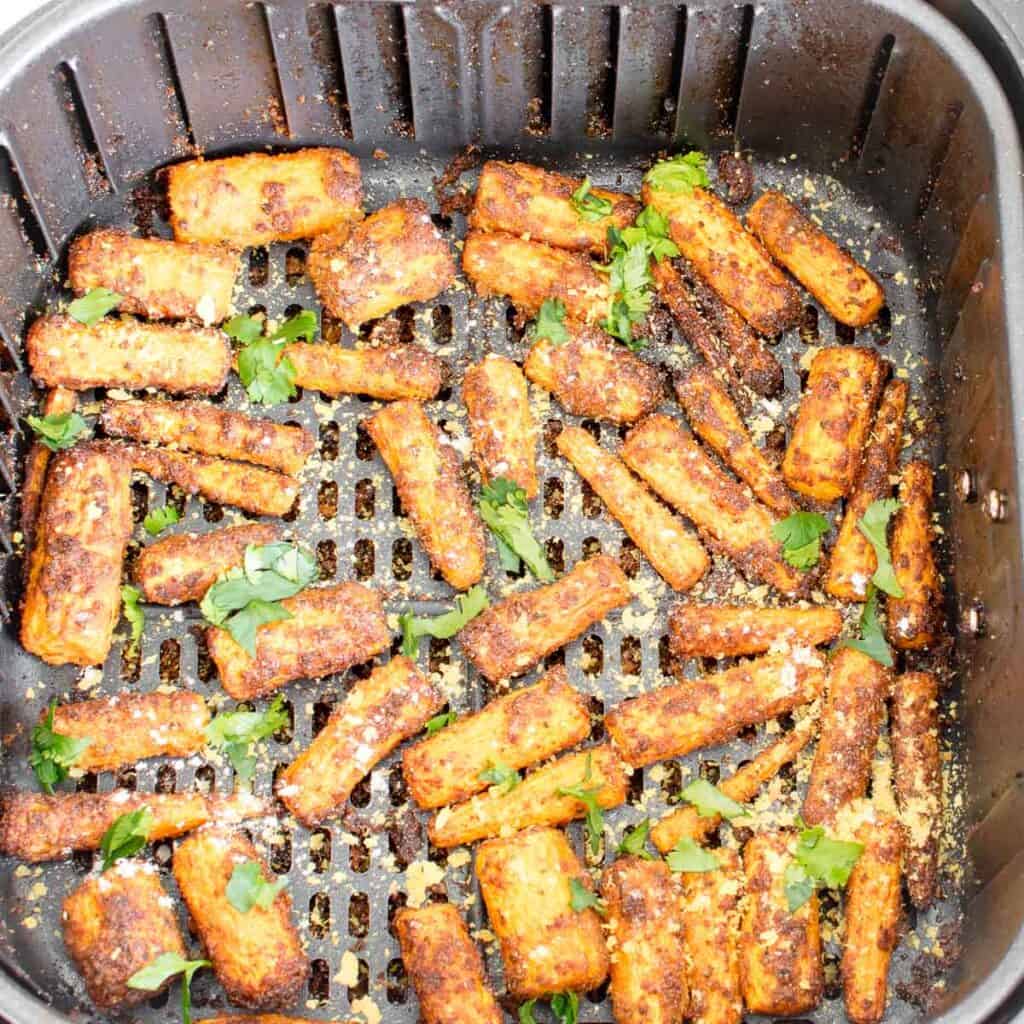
[(237, 732), (680, 173), (688, 856), (467, 606), (819, 862), (874, 525), (128, 835), (500, 778), (503, 508), (269, 377), (635, 839), (800, 535), (581, 898), (872, 639), (566, 1007), (710, 801), (594, 819), (165, 966), (130, 604), (247, 888), (587, 205), (93, 305), (159, 519), (59, 430), (550, 323), (52, 752), (441, 721)]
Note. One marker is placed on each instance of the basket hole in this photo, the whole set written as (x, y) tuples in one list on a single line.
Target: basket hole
[(319, 982), (258, 310), (320, 850), (359, 915), (881, 329), (166, 779), (833, 979), (397, 983), (365, 494), (440, 654), (159, 1001), (635, 792), (140, 501), (131, 663), (398, 794), (401, 558), (592, 661), (361, 793), (205, 667), (127, 778), (845, 334), (330, 441), (294, 265), (362, 986), (787, 778), (555, 660), (363, 558), (287, 730), (629, 558), (809, 325), (330, 328), (170, 661), (595, 706), (281, 851), (364, 443), (593, 506), (205, 780), (441, 325), (598, 995), (748, 734), (629, 652), (321, 713), (554, 497), (327, 559), (552, 429), (212, 512), (671, 782), (396, 902), (591, 546), (667, 661), (555, 550), (516, 329), (259, 266), (710, 771), (319, 915), (297, 397), (327, 499)]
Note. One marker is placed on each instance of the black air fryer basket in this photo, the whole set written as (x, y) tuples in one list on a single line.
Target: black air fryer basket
[(881, 111)]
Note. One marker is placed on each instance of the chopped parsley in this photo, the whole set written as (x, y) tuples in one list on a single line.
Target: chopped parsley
[(503, 508), (800, 536), (688, 856), (166, 966), (819, 862), (59, 430), (634, 842), (874, 525), (594, 818), (581, 898), (550, 323), (159, 519), (710, 801), (680, 173), (94, 305), (500, 778), (247, 888), (237, 733), (587, 205), (872, 639), (128, 835), (467, 606), (52, 752)]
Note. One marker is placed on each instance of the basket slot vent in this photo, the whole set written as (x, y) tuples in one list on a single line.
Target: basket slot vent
[(309, 72), (648, 71), (713, 56), (374, 58), (516, 96), (584, 41), (871, 96), (965, 266), (83, 123), (943, 145), (228, 77)]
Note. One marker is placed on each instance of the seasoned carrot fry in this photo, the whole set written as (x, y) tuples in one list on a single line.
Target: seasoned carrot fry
[(728, 257), (742, 786), (838, 282), (256, 954), (536, 800), (114, 925), (509, 638), (330, 629), (648, 967), (916, 619), (530, 201), (667, 542), (527, 273), (258, 198), (377, 714), (119, 352), (183, 567), (389, 372), (516, 730), (445, 966), (546, 945), (857, 688), (873, 909), (593, 375), (57, 402), (428, 479), (716, 421), (394, 257), (36, 827), (73, 589), (780, 950), (132, 726), (728, 518), (729, 631), (252, 488), (710, 920), (852, 562), (729, 346), (500, 422), (826, 445), (158, 279), (917, 768), (704, 712), (209, 430)]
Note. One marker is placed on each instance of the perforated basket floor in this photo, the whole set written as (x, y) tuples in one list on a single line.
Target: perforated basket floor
[(349, 877)]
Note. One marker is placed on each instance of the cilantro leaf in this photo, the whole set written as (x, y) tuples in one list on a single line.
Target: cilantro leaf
[(165, 966), (629, 277), (872, 639), (441, 721), (128, 835), (526, 1012), (710, 801), (635, 839), (594, 818), (244, 598), (874, 524), (247, 888), (245, 329), (688, 856), (566, 1007), (52, 752), (581, 898), (467, 606), (550, 322), (269, 377), (93, 305), (590, 207), (303, 324), (680, 173), (503, 508), (236, 733), (160, 518), (655, 227), (500, 777), (59, 430), (800, 535), (130, 598), (819, 861)]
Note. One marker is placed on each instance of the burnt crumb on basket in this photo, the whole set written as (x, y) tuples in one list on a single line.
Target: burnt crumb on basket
[(450, 198), (737, 176)]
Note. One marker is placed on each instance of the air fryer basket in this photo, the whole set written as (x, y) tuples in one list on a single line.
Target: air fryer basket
[(879, 109)]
